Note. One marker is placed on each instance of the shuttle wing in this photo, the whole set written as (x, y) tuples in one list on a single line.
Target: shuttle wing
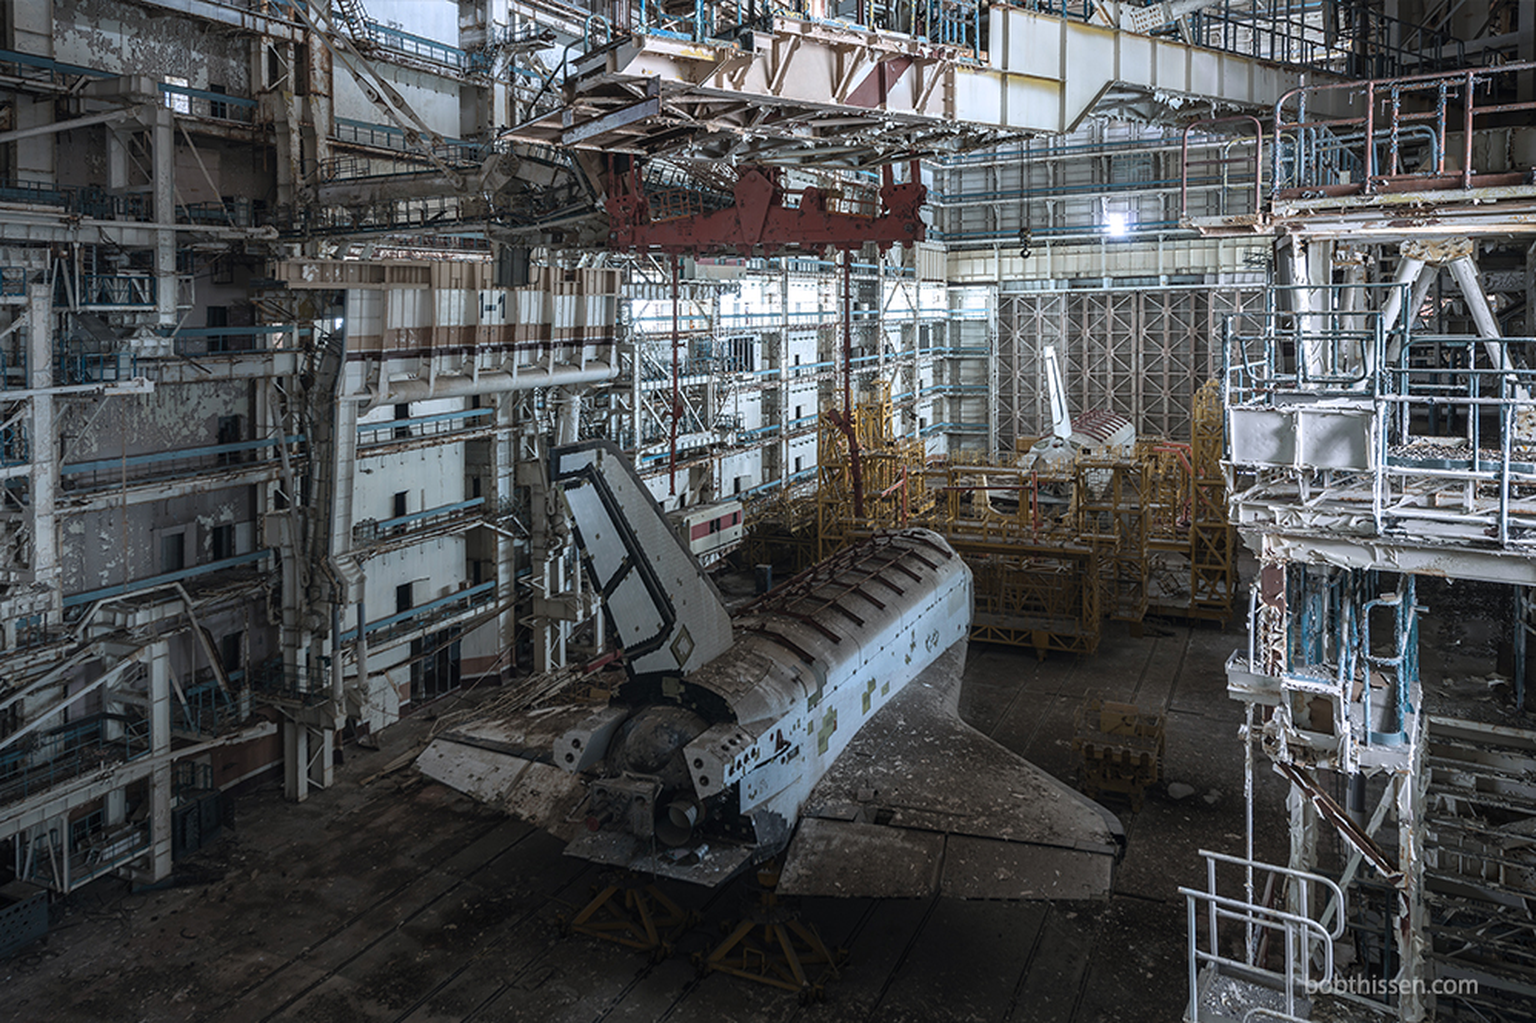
[(922, 802), (503, 759)]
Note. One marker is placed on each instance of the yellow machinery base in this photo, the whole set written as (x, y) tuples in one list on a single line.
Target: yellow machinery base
[(771, 945), (633, 912)]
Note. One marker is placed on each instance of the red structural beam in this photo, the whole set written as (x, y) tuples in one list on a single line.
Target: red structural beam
[(761, 222)]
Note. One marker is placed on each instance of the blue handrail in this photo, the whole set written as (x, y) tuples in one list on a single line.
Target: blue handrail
[(167, 577)]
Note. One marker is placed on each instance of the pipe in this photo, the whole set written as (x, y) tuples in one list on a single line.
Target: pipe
[(360, 648), (108, 117), (336, 681), (1466, 132), (490, 382), (1466, 274), (568, 420), (855, 466), (675, 825), (677, 405)]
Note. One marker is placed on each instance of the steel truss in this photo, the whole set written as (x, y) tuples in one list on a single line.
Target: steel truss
[(1142, 354)]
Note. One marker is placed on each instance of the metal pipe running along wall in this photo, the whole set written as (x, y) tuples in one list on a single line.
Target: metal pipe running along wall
[(490, 382)]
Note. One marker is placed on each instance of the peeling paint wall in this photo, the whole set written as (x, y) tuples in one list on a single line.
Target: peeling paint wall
[(122, 37), (172, 418), (124, 545)]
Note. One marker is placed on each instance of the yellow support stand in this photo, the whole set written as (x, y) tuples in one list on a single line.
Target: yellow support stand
[(634, 913), (773, 946)]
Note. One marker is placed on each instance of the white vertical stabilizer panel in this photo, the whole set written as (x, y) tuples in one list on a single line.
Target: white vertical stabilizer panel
[(665, 609), (1061, 419)]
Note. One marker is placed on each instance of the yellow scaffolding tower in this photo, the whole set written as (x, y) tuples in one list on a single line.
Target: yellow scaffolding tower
[(1055, 550), (1212, 560), (890, 475), (1194, 570)]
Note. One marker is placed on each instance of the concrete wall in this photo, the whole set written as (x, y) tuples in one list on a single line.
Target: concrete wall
[(129, 39)]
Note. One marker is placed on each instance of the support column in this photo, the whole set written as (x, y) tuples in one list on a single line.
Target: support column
[(295, 761), (360, 650), (117, 159), (43, 478), (781, 384), (163, 162), (160, 836), (320, 113), (1415, 1001), (994, 372), (290, 136), (321, 766), (568, 415), (549, 538), (1303, 817), (1468, 279)]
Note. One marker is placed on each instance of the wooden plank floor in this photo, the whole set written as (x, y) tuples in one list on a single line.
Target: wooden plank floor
[(402, 901)]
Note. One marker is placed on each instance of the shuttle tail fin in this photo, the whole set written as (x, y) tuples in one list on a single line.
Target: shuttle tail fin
[(1061, 419), (665, 610)]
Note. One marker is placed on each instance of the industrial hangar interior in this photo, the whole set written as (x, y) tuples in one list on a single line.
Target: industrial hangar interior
[(901, 510)]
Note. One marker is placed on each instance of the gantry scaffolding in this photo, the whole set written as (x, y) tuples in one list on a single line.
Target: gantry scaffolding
[(884, 488), (1384, 473), (1056, 549), (1192, 548)]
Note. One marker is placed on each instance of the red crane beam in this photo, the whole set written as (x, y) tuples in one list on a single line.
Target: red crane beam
[(761, 222)]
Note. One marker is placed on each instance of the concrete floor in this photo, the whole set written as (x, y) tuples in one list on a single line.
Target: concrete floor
[(401, 900)]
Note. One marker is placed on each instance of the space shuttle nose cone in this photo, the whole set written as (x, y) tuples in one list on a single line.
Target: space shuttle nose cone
[(675, 825)]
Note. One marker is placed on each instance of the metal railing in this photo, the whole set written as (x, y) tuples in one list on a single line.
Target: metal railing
[(308, 686), (1344, 38), (1258, 161), (34, 67), (412, 159), (216, 106), (1386, 148), (237, 212), (375, 531), (165, 578), (442, 424), (426, 213), (76, 367), (68, 751), (116, 290), (168, 464), (1300, 932), (426, 616), (1453, 416), (264, 337), (203, 707), (15, 445), (955, 23), (1328, 341), (1438, 385), (96, 203), (13, 369)]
